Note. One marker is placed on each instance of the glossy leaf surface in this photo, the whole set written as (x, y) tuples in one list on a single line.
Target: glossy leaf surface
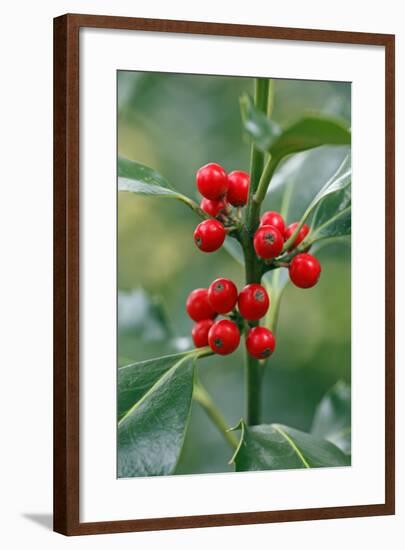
[(332, 420), (136, 378), (151, 433), (339, 225), (257, 125), (307, 133), (278, 447), (140, 179)]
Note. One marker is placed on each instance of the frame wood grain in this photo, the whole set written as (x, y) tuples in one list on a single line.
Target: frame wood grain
[(66, 273)]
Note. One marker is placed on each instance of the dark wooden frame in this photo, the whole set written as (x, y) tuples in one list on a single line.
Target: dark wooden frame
[(66, 273)]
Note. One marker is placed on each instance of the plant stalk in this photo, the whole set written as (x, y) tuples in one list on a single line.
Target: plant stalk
[(256, 156), (270, 101), (264, 182), (253, 271), (254, 375), (202, 397)]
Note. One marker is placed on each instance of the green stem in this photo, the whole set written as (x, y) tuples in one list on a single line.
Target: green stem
[(194, 206), (289, 242), (272, 315), (254, 372), (270, 101), (252, 264), (202, 397), (253, 270), (264, 181), (202, 352), (256, 156)]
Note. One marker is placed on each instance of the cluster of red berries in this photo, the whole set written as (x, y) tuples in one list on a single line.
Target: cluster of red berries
[(221, 191), (268, 242), (223, 336)]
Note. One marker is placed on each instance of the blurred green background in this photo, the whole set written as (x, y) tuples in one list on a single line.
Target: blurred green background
[(175, 124)]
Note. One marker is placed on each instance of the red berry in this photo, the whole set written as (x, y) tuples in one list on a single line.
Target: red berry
[(268, 242), (198, 306), (209, 235), (238, 188), (302, 233), (224, 337), (200, 332), (253, 302), (260, 342), (213, 208), (275, 219), (305, 270), (222, 295), (212, 181)]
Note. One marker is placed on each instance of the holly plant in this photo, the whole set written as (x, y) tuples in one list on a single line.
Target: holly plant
[(155, 396)]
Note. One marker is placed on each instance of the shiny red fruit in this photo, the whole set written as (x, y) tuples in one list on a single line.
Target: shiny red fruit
[(275, 219), (198, 306), (238, 188), (224, 337), (268, 242), (212, 181), (209, 235), (213, 208), (200, 332), (302, 233), (253, 302), (222, 295), (305, 270), (260, 342)]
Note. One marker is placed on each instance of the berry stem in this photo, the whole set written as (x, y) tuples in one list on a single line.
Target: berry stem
[(200, 353), (194, 206), (202, 397), (288, 243), (271, 319), (264, 182)]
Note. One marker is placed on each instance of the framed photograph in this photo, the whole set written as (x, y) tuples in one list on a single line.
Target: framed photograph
[(223, 274)]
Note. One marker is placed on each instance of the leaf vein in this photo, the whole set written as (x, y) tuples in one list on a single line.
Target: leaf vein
[(292, 444)]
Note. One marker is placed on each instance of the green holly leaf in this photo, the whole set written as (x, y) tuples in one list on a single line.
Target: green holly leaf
[(339, 225), (152, 430), (334, 196), (329, 209), (307, 133), (332, 420), (257, 125), (300, 177), (278, 447), (136, 378), (123, 361), (142, 180)]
